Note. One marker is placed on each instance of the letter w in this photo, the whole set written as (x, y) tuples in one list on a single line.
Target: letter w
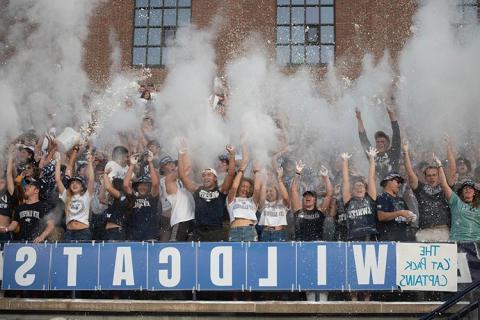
[(369, 264)]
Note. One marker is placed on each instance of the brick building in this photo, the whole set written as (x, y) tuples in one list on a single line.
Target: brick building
[(294, 31)]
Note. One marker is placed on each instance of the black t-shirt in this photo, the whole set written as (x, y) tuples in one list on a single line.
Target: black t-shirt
[(393, 230), (7, 203), (340, 221), (29, 217), (432, 206), (144, 219), (209, 207), (309, 225), (361, 217), (117, 211)]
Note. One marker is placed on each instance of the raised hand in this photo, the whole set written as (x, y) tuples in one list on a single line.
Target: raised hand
[(57, 157), (345, 156), (183, 145), (90, 157), (230, 149), (299, 165), (358, 114), (280, 172), (134, 159), (436, 160), (324, 171), (372, 152), (149, 156)]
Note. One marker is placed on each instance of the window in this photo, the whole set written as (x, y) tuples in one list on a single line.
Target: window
[(155, 25), (468, 11), (305, 31)]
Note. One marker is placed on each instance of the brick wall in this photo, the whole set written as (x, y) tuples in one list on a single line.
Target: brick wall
[(361, 26)]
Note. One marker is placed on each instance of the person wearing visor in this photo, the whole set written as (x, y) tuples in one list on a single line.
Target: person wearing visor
[(209, 198), (464, 207), (392, 211), (77, 196), (143, 222)]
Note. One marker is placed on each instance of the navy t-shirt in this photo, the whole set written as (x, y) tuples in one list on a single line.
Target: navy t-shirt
[(361, 217), (393, 230), (309, 225), (209, 207), (144, 219)]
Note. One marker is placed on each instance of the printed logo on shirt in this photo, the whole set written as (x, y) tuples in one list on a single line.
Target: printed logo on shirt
[(431, 191), (352, 214), (140, 203), (29, 214), (76, 206), (209, 195)]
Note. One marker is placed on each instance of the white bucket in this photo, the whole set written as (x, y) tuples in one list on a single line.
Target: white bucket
[(67, 139)]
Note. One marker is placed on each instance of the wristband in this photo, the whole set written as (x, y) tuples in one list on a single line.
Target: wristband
[(298, 173)]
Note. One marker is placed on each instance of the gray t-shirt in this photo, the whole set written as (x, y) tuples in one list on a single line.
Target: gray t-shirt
[(432, 206)]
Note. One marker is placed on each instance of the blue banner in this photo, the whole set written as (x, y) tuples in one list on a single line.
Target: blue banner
[(222, 266)]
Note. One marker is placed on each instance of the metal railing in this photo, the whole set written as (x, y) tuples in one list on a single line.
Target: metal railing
[(459, 296)]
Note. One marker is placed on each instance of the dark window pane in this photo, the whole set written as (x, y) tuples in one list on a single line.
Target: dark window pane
[(283, 55), (312, 2), (312, 54), (327, 53), (326, 1), (298, 54), (298, 15), (156, 3), (168, 37), (283, 35), (298, 2), (298, 34), (311, 34), (140, 37), (184, 3), (327, 34), (170, 3), (155, 17), (153, 56), (169, 17), (283, 2), (313, 15), (183, 17), (326, 15), (139, 56), (141, 17), (141, 3), (283, 15), (154, 36)]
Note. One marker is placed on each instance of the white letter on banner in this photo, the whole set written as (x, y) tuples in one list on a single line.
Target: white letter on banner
[(462, 266), (29, 255), (321, 265), (72, 253), (123, 269), (370, 264), (163, 278), (226, 255), (271, 279)]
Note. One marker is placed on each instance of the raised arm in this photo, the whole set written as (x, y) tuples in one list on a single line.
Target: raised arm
[(238, 177), (182, 172), (58, 173), (412, 177), (452, 163), (90, 173), (346, 193), (396, 139), (107, 184), (362, 134), (153, 175), (281, 186), (371, 185), (71, 161), (443, 179), (10, 179), (328, 197), (227, 182), (46, 232), (295, 201), (259, 175), (127, 185)]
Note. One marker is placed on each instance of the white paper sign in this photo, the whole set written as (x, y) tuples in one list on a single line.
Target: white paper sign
[(427, 266)]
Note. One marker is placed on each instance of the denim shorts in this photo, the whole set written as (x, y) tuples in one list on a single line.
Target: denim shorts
[(115, 234), (244, 233), (274, 235), (78, 235)]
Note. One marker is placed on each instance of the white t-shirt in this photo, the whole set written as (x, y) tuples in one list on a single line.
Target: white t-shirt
[(243, 208), (181, 203), (79, 209), (274, 214)]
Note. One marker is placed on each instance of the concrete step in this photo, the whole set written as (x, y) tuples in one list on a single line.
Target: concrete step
[(122, 309)]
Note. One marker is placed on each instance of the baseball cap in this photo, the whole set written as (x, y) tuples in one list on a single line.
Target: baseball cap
[(35, 183), (166, 159), (310, 192), (391, 176), (210, 170), (79, 179)]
